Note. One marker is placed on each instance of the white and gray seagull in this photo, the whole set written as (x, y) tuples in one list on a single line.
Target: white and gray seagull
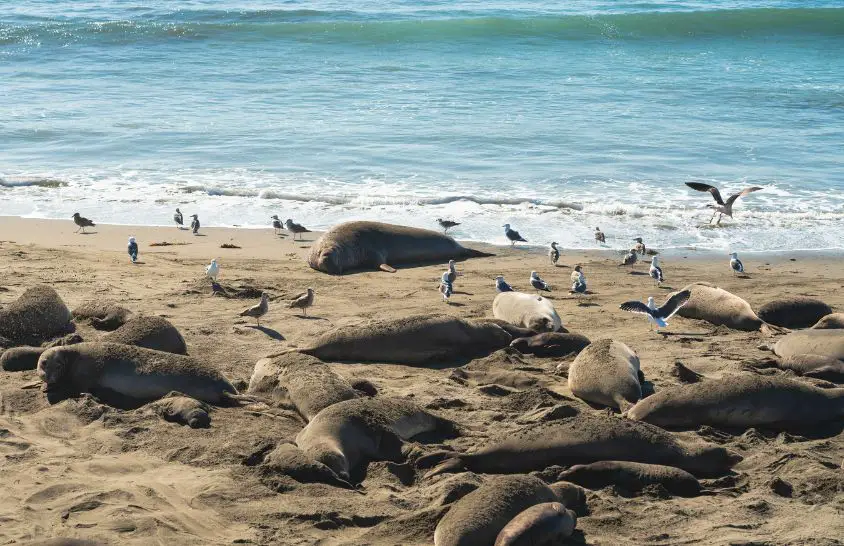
[(513, 235), (447, 224), (212, 270), (539, 284), (554, 253), (721, 207), (501, 285), (655, 271), (735, 264), (452, 273), (658, 315), (258, 310), (179, 219), (446, 288), (277, 225)]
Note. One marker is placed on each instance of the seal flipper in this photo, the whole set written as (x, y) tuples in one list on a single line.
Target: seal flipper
[(387, 268)]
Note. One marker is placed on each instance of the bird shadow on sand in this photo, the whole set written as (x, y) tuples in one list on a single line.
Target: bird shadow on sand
[(661, 287), (139, 262), (309, 317), (268, 331), (456, 303), (87, 233), (463, 293), (199, 235), (638, 273)]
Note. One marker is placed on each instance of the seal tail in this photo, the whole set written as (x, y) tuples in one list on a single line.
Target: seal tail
[(472, 253), (771, 330), (441, 462)]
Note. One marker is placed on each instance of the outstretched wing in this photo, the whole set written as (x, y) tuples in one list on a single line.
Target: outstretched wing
[(635, 307), (673, 304), (706, 187), (742, 193)]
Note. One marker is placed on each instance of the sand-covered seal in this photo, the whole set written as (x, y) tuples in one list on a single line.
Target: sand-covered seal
[(606, 372), (546, 524), (833, 321), (794, 312), (38, 315), (348, 433), (527, 310), (632, 477), (585, 438), (305, 381), (178, 408), (18, 359), (825, 343), (127, 376), (151, 333), (747, 400), (551, 344), (375, 245), (102, 314), (719, 307)]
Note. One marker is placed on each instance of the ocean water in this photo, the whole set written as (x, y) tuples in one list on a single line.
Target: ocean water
[(555, 117)]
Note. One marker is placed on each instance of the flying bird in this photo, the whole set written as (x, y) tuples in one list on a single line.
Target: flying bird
[(179, 219), (578, 281), (735, 264), (501, 285), (303, 301), (721, 207), (658, 315), (212, 270), (446, 224), (446, 289), (277, 225), (258, 310), (655, 271), (538, 283), (194, 224), (599, 236), (295, 228), (513, 235), (554, 253), (82, 222), (133, 249)]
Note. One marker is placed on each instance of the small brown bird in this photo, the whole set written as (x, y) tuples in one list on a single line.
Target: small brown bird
[(303, 301), (629, 258), (82, 222), (447, 224), (599, 236), (258, 310), (295, 228)]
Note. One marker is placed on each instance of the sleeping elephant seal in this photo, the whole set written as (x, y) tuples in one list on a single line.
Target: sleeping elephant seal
[(719, 307), (528, 311), (632, 477), (178, 408), (794, 312), (817, 366), (825, 343), (833, 321), (151, 333), (551, 344), (349, 433), (102, 314), (18, 359), (546, 524), (127, 376), (38, 315), (375, 245), (747, 400), (607, 373), (414, 340), (585, 438)]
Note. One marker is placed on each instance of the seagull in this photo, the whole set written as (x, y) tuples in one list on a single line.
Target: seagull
[(277, 225), (538, 283), (133, 249), (554, 253), (599, 236), (735, 264), (513, 235), (722, 207), (629, 258), (179, 219), (658, 315), (303, 301), (451, 273), (655, 271), (640, 246), (578, 281), (295, 228), (82, 222), (194, 224), (212, 270), (501, 285), (258, 310), (446, 288), (446, 224)]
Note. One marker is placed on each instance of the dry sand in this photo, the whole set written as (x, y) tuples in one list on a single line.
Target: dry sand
[(80, 469)]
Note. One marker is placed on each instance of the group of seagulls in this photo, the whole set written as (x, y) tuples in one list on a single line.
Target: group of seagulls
[(180, 221), (290, 225)]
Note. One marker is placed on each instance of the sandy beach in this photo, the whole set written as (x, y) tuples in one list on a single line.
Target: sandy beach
[(86, 470)]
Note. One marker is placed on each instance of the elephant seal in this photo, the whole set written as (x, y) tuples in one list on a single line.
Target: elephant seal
[(127, 376), (305, 381), (719, 307), (825, 343), (607, 373), (414, 340), (178, 408), (747, 400), (527, 310), (551, 344), (64, 542), (289, 460), (794, 312), (833, 321), (151, 333), (18, 359), (102, 314), (632, 477), (479, 517), (38, 315), (585, 438), (546, 524), (348, 433), (375, 245), (817, 366)]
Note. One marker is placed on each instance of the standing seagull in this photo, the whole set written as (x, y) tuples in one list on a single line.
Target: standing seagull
[(554, 254), (133, 249), (640, 246), (446, 224), (578, 281), (513, 235), (452, 272), (194, 224), (446, 289), (179, 219), (212, 270), (303, 301), (599, 236), (722, 207), (629, 258), (655, 271), (295, 228), (658, 315), (538, 283), (82, 222), (501, 285), (735, 264), (258, 310), (277, 225)]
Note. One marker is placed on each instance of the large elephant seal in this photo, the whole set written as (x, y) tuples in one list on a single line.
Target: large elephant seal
[(585, 438), (127, 376), (741, 401), (825, 343), (719, 307), (607, 373), (632, 477), (551, 344), (817, 366), (833, 321), (151, 333), (102, 314), (546, 524), (374, 245), (38, 315), (348, 433), (527, 310), (794, 312)]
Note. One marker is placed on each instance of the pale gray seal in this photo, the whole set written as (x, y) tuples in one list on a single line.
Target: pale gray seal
[(606, 372), (102, 314), (175, 407), (719, 307), (833, 321), (527, 310), (794, 312), (747, 400), (551, 344), (375, 245), (545, 524), (151, 333), (825, 343), (632, 477), (38, 315)]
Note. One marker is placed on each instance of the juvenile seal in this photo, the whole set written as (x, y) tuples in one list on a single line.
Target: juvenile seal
[(127, 376), (527, 310), (794, 312), (375, 245), (178, 408), (102, 314), (820, 367), (151, 333), (833, 321), (719, 307), (632, 477), (747, 400), (606, 372), (551, 344), (38, 315), (825, 343), (18, 359), (546, 524)]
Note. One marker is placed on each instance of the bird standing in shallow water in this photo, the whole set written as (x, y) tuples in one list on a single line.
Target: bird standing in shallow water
[(658, 315), (501, 285), (303, 301), (295, 228), (446, 224), (82, 222), (655, 271), (578, 281), (212, 270), (599, 236), (513, 235), (277, 225), (446, 288), (721, 207), (538, 284), (735, 264), (179, 219), (258, 310), (194, 224), (133, 249), (554, 253)]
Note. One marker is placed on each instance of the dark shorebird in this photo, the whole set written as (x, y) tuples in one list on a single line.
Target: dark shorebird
[(538, 284), (277, 225), (735, 264), (133, 249), (658, 315), (446, 224), (212, 270), (295, 228), (640, 246), (501, 285), (655, 271), (578, 281), (554, 253), (446, 288), (513, 235), (179, 219), (82, 222), (303, 301), (258, 310), (599, 236), (194, 224), (721, 207)]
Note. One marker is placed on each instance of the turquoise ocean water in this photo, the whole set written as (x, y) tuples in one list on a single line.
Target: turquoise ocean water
[(553, 117)]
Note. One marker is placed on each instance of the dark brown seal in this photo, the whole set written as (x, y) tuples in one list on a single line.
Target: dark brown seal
[(632, 477), (551, 344), (794, 312)]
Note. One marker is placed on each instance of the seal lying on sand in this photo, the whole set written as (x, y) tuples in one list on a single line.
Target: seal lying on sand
[(820, 367), (794, 312), (719, 307), (606, 372), (833, 321), (585, 438), (632, 477), (825, 343), (127, 376), (178, 408), (741, 401), (348, 433), (151, 333), (546, 524), (102, 314), (36, 316), (374, 245), (551, 344), (527, 310), (18, 359)]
